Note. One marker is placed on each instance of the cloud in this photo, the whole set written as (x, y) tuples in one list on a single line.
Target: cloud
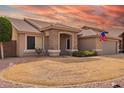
[(114, 8), (103, 16)]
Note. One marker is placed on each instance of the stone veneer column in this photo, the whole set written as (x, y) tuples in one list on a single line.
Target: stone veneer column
[(53, 43), (74, 42)]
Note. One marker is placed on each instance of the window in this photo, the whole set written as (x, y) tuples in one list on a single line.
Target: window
[(68, 43), (30, 42)]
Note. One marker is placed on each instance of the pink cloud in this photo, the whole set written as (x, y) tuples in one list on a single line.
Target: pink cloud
[(100, 15)]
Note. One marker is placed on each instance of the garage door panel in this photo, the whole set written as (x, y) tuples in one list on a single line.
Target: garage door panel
[(109, 47)]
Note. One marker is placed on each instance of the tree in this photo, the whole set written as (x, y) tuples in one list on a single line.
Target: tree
[(5, 33)]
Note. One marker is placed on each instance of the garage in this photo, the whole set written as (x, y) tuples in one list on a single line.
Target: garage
[(89, 39), (109, 47)]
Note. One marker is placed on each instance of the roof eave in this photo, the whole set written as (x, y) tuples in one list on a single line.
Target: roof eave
[(24, 32), (59, 28), (98, 36)]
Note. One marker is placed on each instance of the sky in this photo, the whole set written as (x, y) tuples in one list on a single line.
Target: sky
[(105, 17)]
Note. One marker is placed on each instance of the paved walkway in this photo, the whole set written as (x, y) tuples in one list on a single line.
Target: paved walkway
[(11, 61)]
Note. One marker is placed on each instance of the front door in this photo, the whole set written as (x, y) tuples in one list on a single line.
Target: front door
[(65, 44)]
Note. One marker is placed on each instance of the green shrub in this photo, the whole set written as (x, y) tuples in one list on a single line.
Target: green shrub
[(89, 53), (85, 53), (77, 54)]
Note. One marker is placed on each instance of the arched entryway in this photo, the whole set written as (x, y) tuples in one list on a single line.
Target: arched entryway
[(65, 44)]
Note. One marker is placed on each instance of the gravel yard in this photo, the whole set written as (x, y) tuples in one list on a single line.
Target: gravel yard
[(116, 65)]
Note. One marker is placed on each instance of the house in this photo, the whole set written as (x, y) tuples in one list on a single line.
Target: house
[(54, 38), (89, 39), (58, 39), (121, 42)]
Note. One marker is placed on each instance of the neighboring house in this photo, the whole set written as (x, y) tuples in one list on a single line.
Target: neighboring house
[(121, 42), (89, 39), (58, 39), (54, 38)]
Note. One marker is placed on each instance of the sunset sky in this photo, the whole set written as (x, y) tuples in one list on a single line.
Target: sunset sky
[(106, 17)]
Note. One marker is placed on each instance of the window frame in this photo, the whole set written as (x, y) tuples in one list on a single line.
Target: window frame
[(27, 42)]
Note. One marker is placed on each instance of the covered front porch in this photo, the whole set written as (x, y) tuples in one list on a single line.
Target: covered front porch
[(57, 42)]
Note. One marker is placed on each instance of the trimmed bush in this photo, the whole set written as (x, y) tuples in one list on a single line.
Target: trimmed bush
[(77, 54), (84, 53), (89, 53)]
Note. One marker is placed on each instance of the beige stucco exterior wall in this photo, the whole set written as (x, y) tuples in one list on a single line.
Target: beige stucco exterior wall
[(14, 34), (98, 43), (98, 46), (22, 44), (21, 41), (38, 43), (87, 43)]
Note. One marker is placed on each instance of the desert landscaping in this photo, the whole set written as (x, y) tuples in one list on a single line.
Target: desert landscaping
[(65, 71)]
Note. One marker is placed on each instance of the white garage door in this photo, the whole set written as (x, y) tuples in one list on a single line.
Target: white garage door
[(109, 47)]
